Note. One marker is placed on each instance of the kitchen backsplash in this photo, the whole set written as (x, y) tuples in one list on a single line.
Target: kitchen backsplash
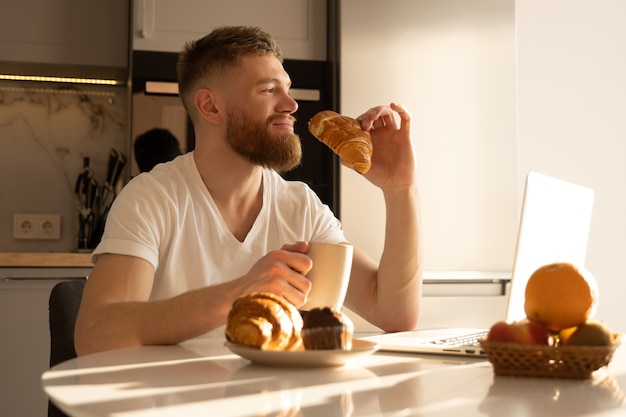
[(45, 132)]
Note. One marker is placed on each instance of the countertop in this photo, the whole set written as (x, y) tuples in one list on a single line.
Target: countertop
[(45, 259)]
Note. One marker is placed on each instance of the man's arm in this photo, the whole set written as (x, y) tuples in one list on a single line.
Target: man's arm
[(116, 312), (388, 295)]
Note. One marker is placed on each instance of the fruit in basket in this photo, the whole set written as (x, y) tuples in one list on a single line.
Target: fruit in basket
[(591, 333), (565, 334), (525, 332), (561, 295), (501, 331)]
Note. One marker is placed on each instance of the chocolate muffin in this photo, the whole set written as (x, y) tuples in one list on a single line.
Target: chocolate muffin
[(327, 328)]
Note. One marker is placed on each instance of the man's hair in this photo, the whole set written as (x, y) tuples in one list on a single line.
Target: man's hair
[(219, 51)]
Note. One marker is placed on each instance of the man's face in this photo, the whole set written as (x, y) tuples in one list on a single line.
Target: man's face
[(259, 116)]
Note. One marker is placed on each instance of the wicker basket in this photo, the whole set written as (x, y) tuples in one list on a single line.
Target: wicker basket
[(513, 359)]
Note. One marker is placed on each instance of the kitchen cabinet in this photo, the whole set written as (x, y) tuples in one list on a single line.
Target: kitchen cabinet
[(69, 32), (298, 25), (25, 347)]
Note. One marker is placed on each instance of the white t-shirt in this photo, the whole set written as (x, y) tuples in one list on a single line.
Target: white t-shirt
[(168, 218)]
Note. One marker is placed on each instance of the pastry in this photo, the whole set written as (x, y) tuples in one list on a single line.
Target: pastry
[(344, 136), (266, 321), (327, 328)]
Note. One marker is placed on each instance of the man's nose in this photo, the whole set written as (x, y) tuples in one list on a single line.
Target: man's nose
[(288, 104)]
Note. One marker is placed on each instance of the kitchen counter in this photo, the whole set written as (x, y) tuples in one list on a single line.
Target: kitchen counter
[(45, 259)]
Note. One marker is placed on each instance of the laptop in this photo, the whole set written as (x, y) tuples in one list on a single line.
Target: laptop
[(554, 227)]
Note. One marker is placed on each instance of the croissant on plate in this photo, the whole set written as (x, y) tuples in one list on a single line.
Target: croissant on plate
[(344, 136), (266, 321)]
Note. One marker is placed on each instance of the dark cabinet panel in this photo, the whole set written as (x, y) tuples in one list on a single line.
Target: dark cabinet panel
[(320, 166)]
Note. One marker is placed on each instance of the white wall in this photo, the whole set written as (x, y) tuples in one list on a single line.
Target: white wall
[(496, 88), (452, 63), (572, 119)]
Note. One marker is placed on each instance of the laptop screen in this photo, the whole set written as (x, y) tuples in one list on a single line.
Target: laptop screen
[(554, 227)]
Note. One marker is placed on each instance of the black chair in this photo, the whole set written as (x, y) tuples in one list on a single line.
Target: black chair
[(63, 305)]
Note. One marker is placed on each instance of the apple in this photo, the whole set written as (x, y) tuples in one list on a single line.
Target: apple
[(526, 332), (501, 331), (534, 333)]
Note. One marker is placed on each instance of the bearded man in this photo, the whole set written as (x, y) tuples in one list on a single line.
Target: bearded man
[(183, 241)]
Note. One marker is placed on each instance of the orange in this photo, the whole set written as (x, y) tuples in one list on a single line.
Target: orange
[(561, 295)]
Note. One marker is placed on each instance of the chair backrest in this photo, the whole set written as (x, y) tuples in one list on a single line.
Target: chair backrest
[(63, 306), (64, 303)]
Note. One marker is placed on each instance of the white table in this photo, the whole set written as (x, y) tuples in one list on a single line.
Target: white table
[(208, 380)]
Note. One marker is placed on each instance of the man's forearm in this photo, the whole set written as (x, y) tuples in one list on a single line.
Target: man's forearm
[(170, 321), (399, 283)]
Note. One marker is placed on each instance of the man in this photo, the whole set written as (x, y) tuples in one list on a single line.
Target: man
[(185, 240)]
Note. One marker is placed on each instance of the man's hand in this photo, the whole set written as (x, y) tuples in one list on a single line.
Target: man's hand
[(280, 272), (393, 160)]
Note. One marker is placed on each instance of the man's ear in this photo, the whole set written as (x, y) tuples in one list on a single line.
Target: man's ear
[(206, 102)]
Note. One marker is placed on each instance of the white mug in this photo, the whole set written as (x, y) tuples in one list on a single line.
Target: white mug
[(330, 274)]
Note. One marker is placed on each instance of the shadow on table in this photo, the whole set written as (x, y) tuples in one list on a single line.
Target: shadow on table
[(148, 379)]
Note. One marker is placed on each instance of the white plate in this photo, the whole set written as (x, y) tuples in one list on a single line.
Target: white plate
[(305, 358)]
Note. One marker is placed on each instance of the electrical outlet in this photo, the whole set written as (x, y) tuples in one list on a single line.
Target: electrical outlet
[(37, 226)]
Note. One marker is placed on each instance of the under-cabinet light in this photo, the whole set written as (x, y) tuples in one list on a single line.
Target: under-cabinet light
[(94, 81)]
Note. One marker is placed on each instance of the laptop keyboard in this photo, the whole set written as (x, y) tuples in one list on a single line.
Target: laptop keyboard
[(465, 340)]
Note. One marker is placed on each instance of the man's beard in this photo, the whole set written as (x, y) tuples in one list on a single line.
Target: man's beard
[(254, 142)]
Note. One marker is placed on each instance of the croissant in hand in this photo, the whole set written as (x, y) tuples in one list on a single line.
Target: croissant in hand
[(344, 136), (265, 321)]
